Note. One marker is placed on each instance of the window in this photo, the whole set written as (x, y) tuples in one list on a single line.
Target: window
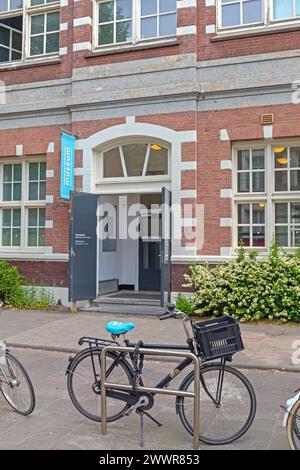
[(251, 171), (30, 30), (22, 205), (44, 33), (287, 224), (241, 12), (12, 180), (267, 195), (136, 160), (123, 21), (158, 18), (37, 181), (36, 227), (285, 9), (245, 13), (251, 224), (287, 168), (11, 227)]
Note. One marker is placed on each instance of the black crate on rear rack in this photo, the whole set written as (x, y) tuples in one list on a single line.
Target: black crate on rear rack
[(218, 338)]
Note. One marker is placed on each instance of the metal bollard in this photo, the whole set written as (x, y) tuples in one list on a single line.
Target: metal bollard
[(152, 352)]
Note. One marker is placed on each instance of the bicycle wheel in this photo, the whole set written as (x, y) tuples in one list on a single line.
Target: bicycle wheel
[(84, 384), (293, 425), (225, 420), (16, 386)]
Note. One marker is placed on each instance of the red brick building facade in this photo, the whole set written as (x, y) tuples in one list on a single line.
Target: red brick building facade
[(193, 77)]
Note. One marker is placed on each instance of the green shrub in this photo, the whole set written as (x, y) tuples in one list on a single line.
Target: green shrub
[(184, 304), (10, 281), (249, 289), (33, 297), (15, 294)]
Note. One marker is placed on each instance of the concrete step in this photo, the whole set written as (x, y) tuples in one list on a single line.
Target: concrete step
[(126, 309), (123, 300)]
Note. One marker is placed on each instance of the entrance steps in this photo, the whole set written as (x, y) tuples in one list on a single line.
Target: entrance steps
[(126, 309), (128, 302)]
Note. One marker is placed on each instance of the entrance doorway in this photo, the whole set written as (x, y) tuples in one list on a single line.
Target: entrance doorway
[(132, 264), (150, 243)]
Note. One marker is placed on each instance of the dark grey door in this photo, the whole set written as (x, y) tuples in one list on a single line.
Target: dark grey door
[(83, 247), (166, 246), (150, 252)]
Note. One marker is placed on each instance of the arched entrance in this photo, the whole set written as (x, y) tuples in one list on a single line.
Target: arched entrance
[(127, 166)]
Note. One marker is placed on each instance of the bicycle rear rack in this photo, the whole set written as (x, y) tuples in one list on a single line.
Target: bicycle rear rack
[(152, 352)]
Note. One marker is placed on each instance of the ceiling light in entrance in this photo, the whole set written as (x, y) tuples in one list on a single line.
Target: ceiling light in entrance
[(155, 147)]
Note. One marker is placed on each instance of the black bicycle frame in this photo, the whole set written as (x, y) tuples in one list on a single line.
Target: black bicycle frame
[(132, 397)]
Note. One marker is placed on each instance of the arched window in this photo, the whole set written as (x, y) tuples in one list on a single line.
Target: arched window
[(136, 160)]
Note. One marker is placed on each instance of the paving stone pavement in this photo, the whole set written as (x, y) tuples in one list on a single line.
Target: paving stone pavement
[(56, 424), (265, 346)]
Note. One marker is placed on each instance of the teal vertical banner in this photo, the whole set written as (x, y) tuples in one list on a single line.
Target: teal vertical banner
[(67, 165)]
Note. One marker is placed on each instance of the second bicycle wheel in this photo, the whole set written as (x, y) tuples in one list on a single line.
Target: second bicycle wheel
[(225, 420), (293, 426), (15, 385), (84, 375)]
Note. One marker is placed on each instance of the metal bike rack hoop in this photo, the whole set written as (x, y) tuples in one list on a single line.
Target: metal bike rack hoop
[(152, 352)]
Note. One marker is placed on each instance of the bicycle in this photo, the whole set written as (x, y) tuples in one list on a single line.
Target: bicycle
[(227, 400), (15, 384), (292, 421)]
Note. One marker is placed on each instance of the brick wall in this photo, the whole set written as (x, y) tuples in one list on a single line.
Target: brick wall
[(43, 273), (208, 48)]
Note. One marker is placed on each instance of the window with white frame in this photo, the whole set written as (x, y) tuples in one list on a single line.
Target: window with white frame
[(251, 224), (247, 13), (135, 160), (124, 21), (285, 9), (267, 195), (28, 28), (23, 205), (240, 12)]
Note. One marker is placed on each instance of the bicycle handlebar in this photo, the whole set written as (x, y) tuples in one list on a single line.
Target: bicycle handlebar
[(167, 315), (173, 313)]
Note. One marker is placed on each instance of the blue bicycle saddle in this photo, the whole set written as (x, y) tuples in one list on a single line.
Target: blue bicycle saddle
[(118, 328)]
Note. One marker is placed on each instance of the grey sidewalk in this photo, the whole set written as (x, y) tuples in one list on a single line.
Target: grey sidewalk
[(265, 346)]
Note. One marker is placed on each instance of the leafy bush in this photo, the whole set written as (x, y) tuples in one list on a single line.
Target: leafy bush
[(14, 294), (184, 304), (249, 289), (33, 297), (10, 281)]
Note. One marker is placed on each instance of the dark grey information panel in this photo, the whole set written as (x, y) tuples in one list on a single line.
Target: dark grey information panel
[(83, 247)]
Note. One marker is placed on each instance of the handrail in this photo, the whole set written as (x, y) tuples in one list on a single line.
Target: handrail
[(163, 391)]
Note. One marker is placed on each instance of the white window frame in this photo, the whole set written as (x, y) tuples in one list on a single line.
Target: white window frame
[(10, 10), (136, 27), (288, 224), (280, 20), (269, 197), (267, 19), (24, 204), (10, 48), (251, 225), (27, 12), (130, 179), (251, 171), (44, 34)]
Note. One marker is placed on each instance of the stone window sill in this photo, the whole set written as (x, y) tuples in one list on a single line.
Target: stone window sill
[(257, 31), (29, 64), (134, 47)]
